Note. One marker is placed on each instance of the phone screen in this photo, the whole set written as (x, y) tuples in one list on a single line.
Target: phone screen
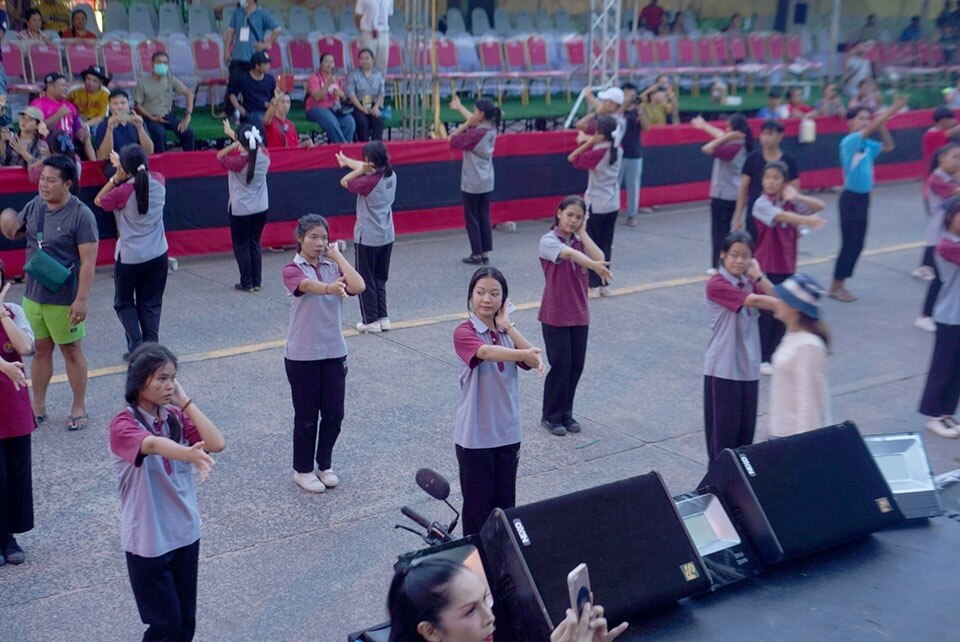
[(578, 584)]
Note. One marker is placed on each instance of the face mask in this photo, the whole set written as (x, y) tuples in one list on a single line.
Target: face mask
[(161, 68)]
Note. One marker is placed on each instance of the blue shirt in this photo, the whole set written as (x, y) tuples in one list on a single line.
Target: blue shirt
[(260, 24), (856, 158), (123, 135)]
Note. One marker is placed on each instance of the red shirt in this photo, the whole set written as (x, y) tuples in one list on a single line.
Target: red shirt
[(933, 139), (776, 242), (16, 414), (651, 16), (281, 133)]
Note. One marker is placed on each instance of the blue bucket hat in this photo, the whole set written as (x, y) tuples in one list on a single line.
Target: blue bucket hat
[(801, 292)]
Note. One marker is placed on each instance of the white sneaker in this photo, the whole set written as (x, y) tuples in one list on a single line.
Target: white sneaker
[(384, 324), (309, 482), (711, 271), (593, 293), (604, 290), (766, 369), (942, 428), (326, 477), (924, 273), (926, 323), (369, 327)]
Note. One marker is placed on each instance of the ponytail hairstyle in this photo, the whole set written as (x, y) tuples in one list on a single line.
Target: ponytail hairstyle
[(490, 111), (951, 207), (606, 126), (419, 593), (573, 199), (250, 139), (133, 160), (375, 153), (738, 123), (937, 155)]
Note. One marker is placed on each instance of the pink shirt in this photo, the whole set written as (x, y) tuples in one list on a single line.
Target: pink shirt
[(48, 107), (329, 100)]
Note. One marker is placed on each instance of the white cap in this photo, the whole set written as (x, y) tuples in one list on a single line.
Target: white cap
[(612, 93)]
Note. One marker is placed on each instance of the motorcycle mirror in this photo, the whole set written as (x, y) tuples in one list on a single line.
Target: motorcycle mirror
[(433, 483)]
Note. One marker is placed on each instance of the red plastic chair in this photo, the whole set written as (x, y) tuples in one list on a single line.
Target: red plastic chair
[(539, 63), (646, 53), (209, 60), (80, 55), (300, 54), (118, 62), (44, 59), (776, 46), (145, 50), (332, 45), (15, 69)]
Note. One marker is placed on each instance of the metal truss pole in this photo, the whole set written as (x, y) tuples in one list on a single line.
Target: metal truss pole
[(416, 77), (603, 45)]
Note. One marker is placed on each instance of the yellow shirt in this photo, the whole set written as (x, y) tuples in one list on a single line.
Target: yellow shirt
[(90, 105)]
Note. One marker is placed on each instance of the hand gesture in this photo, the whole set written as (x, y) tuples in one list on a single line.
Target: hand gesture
[(342, 159), (112, 123), (78, 311), (3, 292), (602, 269), (900, 101), (455, 103), (698, 122), (180, 396), (277, 93), (598, 624), (137, 120), (816, 222), (201, 459), (338, 287), (475, 118), (503, 317), (115, 160), (228, 130), (14, 371), (43, 129), (753, 270), (597, 139), (534, 360), (789, 192)]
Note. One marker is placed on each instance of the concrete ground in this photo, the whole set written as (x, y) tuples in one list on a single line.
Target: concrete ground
[(279, 564)]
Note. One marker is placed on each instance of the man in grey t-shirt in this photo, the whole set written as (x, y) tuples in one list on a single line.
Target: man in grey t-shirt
[(69, 236)]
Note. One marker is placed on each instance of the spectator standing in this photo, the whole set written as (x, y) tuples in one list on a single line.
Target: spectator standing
[(315, 357), (68, 230), (281, 132), (60, 113), (856, 68), (26, 148), (246, 162), (912, 32), (660, 103), (631, 168), (375, 184), (136, 196), (252, 92), (78, 27), (155, 442), (729, 150), (251, 30), (609, 102), (33, 29), (154, 97), (799, 392), (16, 425), (751, 180), (942, 183), (372, 18), (651, 16), (122, 128), (92, 99), (857, 154), (366, 90), (476, 138), (324, 104)]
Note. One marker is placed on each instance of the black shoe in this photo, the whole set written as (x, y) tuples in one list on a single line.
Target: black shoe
[(571, 424), (242, 288), (555, 429), (12, 551), (475, 260)]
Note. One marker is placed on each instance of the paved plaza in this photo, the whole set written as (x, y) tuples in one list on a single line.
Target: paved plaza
[(278, 564)]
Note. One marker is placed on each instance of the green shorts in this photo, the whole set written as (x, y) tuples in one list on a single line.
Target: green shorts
[(53, 322)]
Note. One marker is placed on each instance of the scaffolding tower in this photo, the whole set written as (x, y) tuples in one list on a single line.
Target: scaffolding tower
[(414, 88), (603, 47)]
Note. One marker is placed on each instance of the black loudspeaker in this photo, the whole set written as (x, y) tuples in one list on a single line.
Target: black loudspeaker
[(803, 493), (628, 533)]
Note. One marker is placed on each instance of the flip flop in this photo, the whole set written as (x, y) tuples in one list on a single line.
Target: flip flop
[(842, 295), (78, 423), (39, 419)]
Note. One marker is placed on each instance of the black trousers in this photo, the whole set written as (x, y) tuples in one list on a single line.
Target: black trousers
[(729, 413), (373, 264), (476, 213), (158, 134), (245, 233), (318, 389), (16, 486), (488, 480), (165, 588), (600, 227), (854, 209), (235, 72), (750, 223), (138, 298), (721, 216), (942, 390), (369, 127), (933, 290), (566, 351), (771, 330)]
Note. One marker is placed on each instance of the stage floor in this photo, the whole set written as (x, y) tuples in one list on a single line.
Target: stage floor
[(898, 584)]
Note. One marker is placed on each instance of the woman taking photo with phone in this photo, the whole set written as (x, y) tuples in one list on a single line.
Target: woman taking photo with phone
[(315, 357), (136, 196), (489, 350)]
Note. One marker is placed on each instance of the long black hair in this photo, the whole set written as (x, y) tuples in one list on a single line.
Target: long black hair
[(573, 199), (375, 153), (490, 111), (306, 223), (244, 143), (418, 594), (488, 273), (606, 126), (145, 360), (133, 160), (738, 123)]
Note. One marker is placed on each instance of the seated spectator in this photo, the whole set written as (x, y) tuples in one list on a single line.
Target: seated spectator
[(60, 113), (33, 32), (679, 25), (868, 96), (943, 18), (280, 130), (78, 20), (660, 103), (796, 108), (324, 103), (120, 129), (774, 109), (663, 29), (869, 30), (651, 16), (154, 102), (912, 32), (831, 104), (856, 68), (56, 13), (735, 26), (91, 99), (365, 89), (253, 90), (27, 148)]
